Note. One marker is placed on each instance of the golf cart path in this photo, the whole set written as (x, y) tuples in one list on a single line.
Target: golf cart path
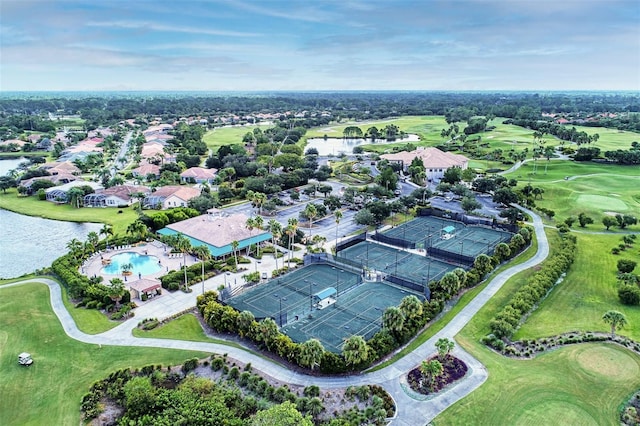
[(411, 410)]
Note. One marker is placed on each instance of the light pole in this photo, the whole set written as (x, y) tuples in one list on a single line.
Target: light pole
[(461, 247), (310, 295), (280, 299)]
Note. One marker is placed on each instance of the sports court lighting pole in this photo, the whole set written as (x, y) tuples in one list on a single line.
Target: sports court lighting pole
[(461, 247), (310, 296), (280, 299), (397, 261)]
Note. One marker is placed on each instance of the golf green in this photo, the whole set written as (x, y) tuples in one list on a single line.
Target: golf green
[(602, 202)]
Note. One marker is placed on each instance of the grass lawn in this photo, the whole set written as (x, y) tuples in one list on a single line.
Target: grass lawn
[(596, 189), (581, 384), (49, 391), (90, 321), (31, 206), (588, 291), (7, 155), (228, 135), (428, 127), (610, 139), (185, 327)]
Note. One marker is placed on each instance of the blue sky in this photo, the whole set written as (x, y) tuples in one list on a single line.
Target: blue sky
[(250, 45)]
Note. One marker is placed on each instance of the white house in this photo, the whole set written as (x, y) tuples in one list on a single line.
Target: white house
[(435, 162), (198, 175)]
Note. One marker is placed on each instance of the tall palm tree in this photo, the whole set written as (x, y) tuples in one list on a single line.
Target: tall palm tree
[(292, 229), (116, 290), (74, 246), (183, 245), (444, 347), (234, 247), (203, 253), (137, 228), (431, 370), (92, 240), (258, 223), (411, 307), (616, 320), (337, 215), (106, 230), (310, 211), (276, 232), (250, 224)]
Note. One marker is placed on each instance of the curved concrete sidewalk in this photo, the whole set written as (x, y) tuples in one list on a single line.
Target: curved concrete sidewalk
[(410, 410)]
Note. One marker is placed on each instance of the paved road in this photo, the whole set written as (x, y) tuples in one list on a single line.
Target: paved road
[(411, 409)]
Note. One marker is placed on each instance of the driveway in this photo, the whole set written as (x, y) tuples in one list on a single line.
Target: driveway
[(410, 411)]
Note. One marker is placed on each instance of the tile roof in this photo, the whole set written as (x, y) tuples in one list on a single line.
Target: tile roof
[(144, 285), (431, 157), (217, 230), (199, 173)]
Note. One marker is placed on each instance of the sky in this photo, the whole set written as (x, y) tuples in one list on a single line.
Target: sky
[(308, 45)]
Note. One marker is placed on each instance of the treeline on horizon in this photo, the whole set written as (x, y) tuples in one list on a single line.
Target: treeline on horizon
[(109, 108)]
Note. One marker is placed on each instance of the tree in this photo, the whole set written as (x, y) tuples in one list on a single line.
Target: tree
[(116, 290), (355, 350), (452, 175), (502, 251), (609, 221), (483, 263), (626, 220), (444, 347), (393, 320), (234, 248), (469, 204), (92, 240), (337, 215), (245, 322), (203, 253), (106, 230), (139, 396), (7, 182), (616, 320), (249, 224), (75, 246), (291, 231), (505, 196), (183, 245), (629, 294), (512, 215), (431, 370), (388, 179), (584, 220), (75, 197), (411, 307), (626, 266), (310, 212), (450, 283), (137, 228), (284, 414), (570, 221), (310, 353), (315, 407)]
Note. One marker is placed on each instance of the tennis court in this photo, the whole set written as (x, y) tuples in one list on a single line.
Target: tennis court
[(423, 231), (473, 240), (358, 312), (290, 296), (389, 260)]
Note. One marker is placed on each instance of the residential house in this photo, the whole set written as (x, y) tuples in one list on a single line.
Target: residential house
[(145, 170), (167, 197), (435, 162), (198, 175), (116, 196)]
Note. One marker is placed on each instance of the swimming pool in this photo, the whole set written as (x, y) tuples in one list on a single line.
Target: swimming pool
[(142, 264)]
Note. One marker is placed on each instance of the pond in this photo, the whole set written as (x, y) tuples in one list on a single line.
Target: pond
[(140, 264), (336, 146), (29, 243), (10, 164)]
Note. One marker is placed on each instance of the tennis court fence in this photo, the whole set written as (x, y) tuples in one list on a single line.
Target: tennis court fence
[(467, 220), (340, 262), (351, 241), (450, 256), (394, 241), (411, 285)]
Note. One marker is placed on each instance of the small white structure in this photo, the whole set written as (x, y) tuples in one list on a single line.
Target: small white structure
[(325, 298), (25, 359)]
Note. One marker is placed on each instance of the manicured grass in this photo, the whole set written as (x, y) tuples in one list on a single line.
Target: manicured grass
[(228, 135), (576, 385), (6, 155), (49, 391), (595, 190), (610, 139), (90, 321), (588, 291), (580, 384), (185, 327), (31, 206), (428, 127)]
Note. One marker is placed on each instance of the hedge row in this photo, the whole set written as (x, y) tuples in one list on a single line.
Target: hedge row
[(505, 323)]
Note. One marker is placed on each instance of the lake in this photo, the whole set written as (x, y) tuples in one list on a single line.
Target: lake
[(10, 164), (29, 243), (336, 146)]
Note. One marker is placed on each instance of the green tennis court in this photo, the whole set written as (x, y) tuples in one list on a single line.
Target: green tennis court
[(473, 240), (290, 296), (358, 312), (389, 260), (423, 230)]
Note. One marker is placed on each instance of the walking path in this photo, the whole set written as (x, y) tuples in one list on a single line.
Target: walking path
[(410, 411)]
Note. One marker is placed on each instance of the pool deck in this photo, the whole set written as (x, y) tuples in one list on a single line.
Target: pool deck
[(93, 266)]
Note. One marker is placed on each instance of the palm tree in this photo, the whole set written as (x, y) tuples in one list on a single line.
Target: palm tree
[(250, 224), (258, 223), (337, 215), (137, 228), (259, 198), (393, 320), (444, 346), (75, 197), (411, 307), (183, 245), (355, 350), (74, 247), (276, 232), (292, 230), (315, 407), (311, 353), (431, 370), (234, 247), (106, 230), (310, 212), (92, 240), (116, 290), (245, 320), (203, 253), (616, 320), (126, 269)]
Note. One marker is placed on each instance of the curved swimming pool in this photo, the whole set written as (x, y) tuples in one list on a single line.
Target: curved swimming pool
[(142, 264)]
